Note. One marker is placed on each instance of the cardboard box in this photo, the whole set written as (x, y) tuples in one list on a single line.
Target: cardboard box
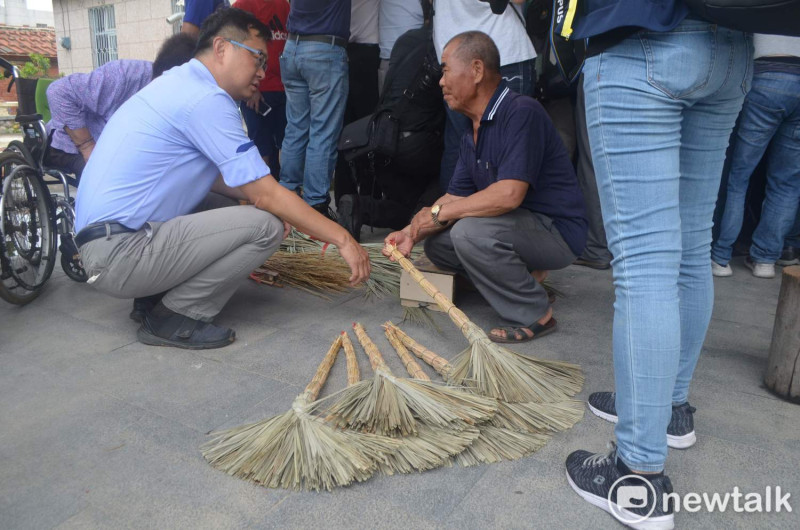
[(412, 295)]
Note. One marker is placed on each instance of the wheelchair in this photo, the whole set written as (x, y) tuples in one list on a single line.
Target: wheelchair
[(34, 221)]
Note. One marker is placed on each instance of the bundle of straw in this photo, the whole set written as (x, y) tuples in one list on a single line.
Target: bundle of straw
[(496, 371), (393, 406), (305, 263), (494, 444), (525, 417), (428, 449), (298, 450)]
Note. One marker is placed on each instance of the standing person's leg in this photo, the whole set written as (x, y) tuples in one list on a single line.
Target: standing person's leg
[(791, 244), (596, 254), (783, 176), (757, 124), (275, 128), (255, 123), (705, 134), (362, 98), (298, 119), (455, 126), (325, 68)]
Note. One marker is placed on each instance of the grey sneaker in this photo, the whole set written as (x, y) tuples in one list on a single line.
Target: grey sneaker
[(680, 431), (720, 271), (760, 270), (637, 501)]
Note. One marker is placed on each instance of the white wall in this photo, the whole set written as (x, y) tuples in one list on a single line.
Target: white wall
[(141, 28), (16, 13)]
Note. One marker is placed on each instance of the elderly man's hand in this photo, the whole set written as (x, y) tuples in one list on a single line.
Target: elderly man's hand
[(357, 258), (287, 228), (402, 240), (421, 222)]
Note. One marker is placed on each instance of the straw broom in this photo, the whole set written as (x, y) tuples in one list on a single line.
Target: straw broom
[(526, 417), (393, 406), (428, 449), (297, 450), (494, 444), (494, 370)]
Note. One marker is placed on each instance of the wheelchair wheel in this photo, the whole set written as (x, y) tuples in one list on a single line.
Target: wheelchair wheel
[(28, 235)]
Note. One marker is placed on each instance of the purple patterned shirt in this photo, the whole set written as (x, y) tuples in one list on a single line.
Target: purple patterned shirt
[(89, 100)]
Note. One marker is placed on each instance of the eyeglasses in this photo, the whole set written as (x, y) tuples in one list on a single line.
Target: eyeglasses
[(261, 58)]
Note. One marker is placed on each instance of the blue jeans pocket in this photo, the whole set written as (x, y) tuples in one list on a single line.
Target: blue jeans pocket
[(679, 62)]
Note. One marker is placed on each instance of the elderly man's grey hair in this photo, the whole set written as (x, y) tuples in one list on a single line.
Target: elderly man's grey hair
[(472, 45)]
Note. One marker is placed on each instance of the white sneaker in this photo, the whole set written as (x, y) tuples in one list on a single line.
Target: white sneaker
[(760, 270), (720, 271)]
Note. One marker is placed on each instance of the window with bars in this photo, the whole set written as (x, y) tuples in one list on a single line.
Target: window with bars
[(103, 29)]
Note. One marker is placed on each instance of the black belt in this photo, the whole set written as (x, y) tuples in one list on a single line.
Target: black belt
[(98, 230), (328, 39)]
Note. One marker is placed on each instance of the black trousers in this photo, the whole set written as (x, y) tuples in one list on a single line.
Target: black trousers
[(363, 62)]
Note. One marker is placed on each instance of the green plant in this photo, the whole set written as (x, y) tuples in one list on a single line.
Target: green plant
[(35, 68)]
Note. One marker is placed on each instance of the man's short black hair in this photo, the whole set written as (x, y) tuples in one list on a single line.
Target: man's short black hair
[(472, 45), (175, 51), (230, 23)]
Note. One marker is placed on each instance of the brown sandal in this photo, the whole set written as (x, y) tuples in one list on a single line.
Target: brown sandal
[(516, 334)]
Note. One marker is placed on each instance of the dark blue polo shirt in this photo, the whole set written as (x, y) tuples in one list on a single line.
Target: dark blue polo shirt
[(517, 140), (320, 17)]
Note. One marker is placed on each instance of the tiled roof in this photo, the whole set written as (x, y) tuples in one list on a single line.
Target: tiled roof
[(23, 41)]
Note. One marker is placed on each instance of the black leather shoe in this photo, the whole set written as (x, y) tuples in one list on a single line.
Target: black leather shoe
[(163, 327), (141, 306)]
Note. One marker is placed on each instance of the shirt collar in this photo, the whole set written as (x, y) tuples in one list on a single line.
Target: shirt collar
[(500, 94)]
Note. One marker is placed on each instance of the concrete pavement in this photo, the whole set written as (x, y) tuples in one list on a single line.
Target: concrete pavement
[(99, 431)]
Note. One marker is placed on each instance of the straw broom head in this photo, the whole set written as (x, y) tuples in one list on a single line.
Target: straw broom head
[(524, 417), (393, 406), (496, 371), (427, 449), (494, 444), (297, 450)]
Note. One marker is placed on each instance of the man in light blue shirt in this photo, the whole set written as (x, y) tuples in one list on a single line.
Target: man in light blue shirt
[(159, 156)]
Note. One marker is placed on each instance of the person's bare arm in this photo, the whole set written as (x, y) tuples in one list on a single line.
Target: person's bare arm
[(82, 139), (220, 187), (266, 194), (190, 29), (497, 199)]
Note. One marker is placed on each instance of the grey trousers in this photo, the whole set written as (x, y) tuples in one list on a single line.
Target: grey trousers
[(596, 247), (198, 258), (498, 254)]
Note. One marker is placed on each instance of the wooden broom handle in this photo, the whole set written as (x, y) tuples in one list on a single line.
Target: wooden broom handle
[(353, 374), (413, 369), (455, 314), (375, 357), (324, 368), (440, 364)]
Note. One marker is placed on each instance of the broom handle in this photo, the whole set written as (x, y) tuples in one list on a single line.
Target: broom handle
[(455, 314), (353, 374), (375, 357), (324, 368), (440, 364), (413, 369)]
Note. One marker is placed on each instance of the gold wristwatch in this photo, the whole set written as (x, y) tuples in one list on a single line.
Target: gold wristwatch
[(435, 215)]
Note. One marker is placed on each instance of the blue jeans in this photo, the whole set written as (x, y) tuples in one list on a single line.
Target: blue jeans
[(660, 108), (520, 77), (314, 75), (267, 131), (771, 113)]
